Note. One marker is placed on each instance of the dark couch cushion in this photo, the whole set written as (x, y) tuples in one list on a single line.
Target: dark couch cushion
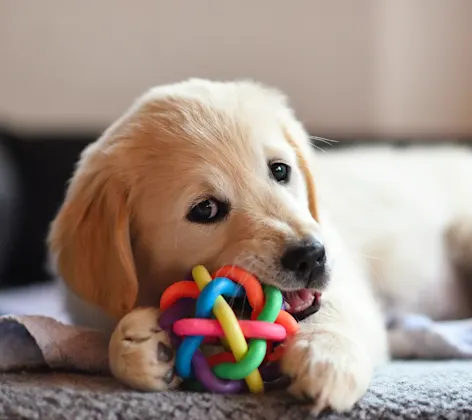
[(42, 166)]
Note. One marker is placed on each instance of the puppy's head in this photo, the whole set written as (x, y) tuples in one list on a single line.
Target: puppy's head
[(194, 173)]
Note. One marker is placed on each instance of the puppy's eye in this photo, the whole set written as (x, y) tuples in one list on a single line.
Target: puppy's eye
[(280, 172), (209, 210)]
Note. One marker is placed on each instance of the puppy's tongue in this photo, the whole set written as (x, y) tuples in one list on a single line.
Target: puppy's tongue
[(300, 300)]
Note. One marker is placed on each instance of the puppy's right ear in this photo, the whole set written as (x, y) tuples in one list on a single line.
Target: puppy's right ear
[(90, 240)]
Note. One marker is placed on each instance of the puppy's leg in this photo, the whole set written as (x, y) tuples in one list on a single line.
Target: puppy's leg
[(140, 353), (459, 246), (331, 359)]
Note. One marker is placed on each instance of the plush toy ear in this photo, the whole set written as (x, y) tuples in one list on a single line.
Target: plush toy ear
[(299, 140), (90, 241)]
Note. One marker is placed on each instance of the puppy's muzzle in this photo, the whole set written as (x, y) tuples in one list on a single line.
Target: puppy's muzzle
[(306, 261)]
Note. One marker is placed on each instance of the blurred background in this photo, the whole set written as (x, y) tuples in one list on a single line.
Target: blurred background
[(365, 71)]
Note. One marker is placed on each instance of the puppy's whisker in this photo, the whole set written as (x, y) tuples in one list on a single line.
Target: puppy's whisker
[(371, 257), (318, 148), (232, 301), (323, 140), (243, 306)]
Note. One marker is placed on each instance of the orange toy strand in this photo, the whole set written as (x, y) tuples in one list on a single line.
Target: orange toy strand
[(284, 319), (288, 322), (179, 290)]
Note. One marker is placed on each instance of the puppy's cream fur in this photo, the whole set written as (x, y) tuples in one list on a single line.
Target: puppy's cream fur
[(121, 236), (406, 214)]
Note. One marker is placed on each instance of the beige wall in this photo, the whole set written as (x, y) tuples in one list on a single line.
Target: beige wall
[(387, 68)]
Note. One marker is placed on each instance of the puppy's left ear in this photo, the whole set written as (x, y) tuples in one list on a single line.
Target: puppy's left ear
[(90, 239), (299, 140)]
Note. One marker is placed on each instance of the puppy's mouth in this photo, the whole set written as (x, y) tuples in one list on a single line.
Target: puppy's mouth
[(302, 303), (300, 300), (299, 303)]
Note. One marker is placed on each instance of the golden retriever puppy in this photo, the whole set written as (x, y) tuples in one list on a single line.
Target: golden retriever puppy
[(217, 174)]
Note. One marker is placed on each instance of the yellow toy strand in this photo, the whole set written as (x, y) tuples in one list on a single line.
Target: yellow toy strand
[(231, 328)]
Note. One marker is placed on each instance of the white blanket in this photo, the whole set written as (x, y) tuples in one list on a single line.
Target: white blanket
[(417, 336)]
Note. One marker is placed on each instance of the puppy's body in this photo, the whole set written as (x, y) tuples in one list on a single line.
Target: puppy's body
[(128, 226), (397, 210)]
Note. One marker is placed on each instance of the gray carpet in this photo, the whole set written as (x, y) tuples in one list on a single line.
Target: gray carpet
[(401, 390)]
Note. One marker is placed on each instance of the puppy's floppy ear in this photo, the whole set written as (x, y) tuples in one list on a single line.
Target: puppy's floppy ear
[(90, 240), (299, 140)]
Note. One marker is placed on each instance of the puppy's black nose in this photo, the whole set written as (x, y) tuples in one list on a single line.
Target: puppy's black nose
[(305, 258)]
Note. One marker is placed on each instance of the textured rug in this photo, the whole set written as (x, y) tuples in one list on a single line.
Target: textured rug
[(401, 390)]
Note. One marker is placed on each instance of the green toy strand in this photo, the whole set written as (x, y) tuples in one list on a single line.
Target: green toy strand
[(274, 301), (257, 347)]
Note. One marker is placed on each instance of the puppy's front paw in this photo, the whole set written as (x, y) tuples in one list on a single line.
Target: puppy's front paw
[(327, 368), (140, 353)]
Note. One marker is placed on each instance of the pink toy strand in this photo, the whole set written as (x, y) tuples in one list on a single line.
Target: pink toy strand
[(212, 328)]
